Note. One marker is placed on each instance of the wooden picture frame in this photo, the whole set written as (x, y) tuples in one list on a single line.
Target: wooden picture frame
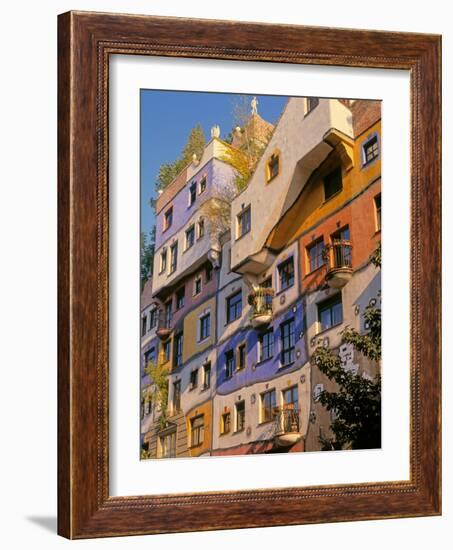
[(85, 41)]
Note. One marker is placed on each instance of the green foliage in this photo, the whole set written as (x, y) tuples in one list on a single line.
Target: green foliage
[(147, 242), (376, 256), (159, 389), (169, 170), (357, 403)]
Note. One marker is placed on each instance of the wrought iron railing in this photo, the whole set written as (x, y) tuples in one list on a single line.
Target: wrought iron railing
[(287, 421), (338, 254)]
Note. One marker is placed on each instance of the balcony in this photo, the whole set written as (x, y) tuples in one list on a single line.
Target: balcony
[(339, 264), (164, 324), (287, 427), (261, 302)]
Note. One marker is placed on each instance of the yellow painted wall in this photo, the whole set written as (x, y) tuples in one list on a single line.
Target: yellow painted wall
[(206, 410), (190, 344), (310, 207)]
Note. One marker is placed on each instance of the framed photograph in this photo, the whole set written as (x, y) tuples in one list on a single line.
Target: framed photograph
[(249, 275)]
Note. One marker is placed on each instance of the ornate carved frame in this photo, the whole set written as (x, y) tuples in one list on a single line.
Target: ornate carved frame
[(85, 41)]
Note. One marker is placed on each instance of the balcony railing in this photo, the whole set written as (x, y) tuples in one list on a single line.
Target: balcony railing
[(261, 301), (287, 426), (164, 324), (339, 263)]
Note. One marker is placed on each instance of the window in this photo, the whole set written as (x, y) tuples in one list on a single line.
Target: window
[(197, 430), (173, 257), (178, 349), (167, 314), (268, 405), (330, 312), (241, 356), (168, 445), (206, 376), (244, 222), (291, 398), (202, 185), (312, 102), (168, 218), (143, 326), (229, 363), (272, 167), (239, 416), (194, 379), (315, 254), (197, 286), (333, 183), (177, 395), (377, 207), (234, 306), (370, 150), (180, 297), (200, 228), (288, 337), (209, 272), (152, 318), (192, 193), (225, 423), (150, 355), (267, 283), (166, 351), (205, 326), (266, 350), (286, 273), (163, 261), (190, 237)]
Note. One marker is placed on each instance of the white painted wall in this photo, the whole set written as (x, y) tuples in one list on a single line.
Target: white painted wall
[(299, 139)]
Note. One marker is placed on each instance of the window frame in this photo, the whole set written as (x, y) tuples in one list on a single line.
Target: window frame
[(328, 304), (288, 342), (163, 261), (236, 416), (180, 293), (273, 159), (229, 353), (187, 243), (366, 143), (202, 319), (242, 347), (198, 279), (179, 348), (192, 193), (280, 266), (225, 423), (162, 444), (233, 307), (173, 258), (199, 429), (377, 212), (168, 214), (312, 246), (240, 232), (176, 397), (193, 379), (270, 345), (331, 174), (207, 367), (265, 417)]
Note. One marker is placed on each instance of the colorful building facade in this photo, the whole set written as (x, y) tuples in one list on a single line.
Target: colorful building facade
[(238, 315)]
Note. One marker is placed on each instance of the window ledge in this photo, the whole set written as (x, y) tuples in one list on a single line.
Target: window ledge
[(327, 329), (242, 236)]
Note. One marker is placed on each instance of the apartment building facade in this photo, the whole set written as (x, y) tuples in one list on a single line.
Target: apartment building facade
[(239, 316)]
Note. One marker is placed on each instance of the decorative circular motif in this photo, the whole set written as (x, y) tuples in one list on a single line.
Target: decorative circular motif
[(282, 299), (357, 309), (372, 302), (253, 399), (248, 431), (298, 354), (302, 379)]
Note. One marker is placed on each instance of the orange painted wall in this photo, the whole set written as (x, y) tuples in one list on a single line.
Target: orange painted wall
[(359, 215), (206, 410)]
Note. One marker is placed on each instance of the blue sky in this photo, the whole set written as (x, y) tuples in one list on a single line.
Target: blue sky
[(166, 120)]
